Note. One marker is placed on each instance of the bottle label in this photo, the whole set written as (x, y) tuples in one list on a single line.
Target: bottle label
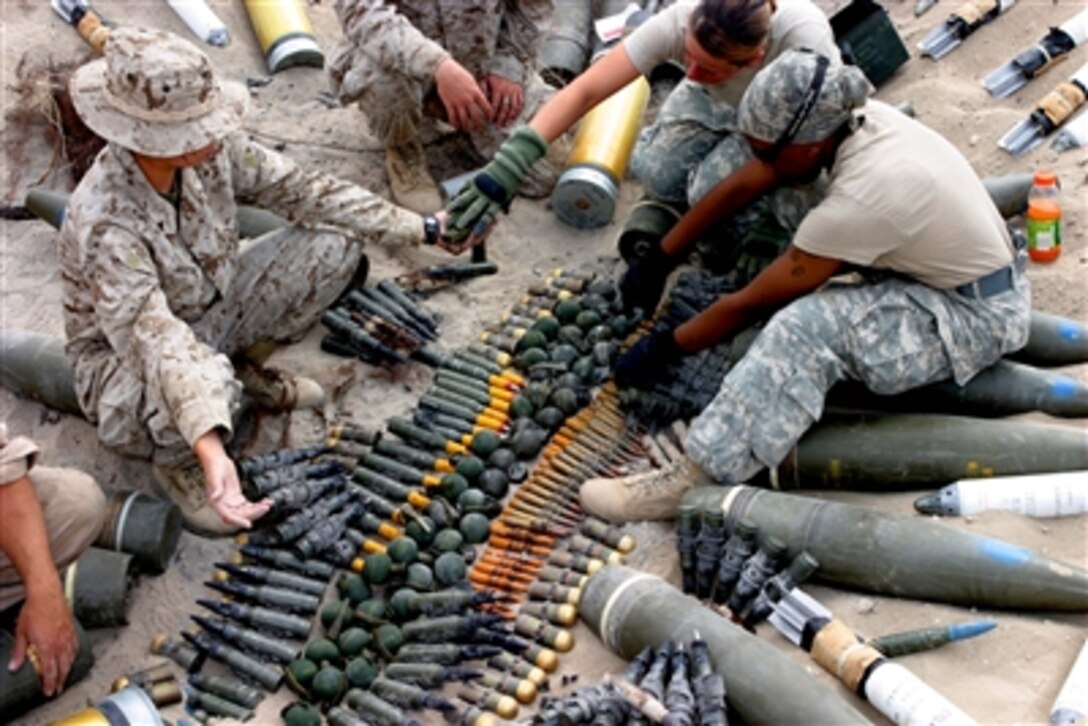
[(1043, 234)]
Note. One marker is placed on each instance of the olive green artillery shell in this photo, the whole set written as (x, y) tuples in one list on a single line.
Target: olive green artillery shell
[(897, 452), (97, 587), (146, 527), (894, 554), (624, 607), (1054, 341), (21, 691), (34, 366), (1009, 192), (216, 705), (1004, 389), (227, 687), (564, 48)]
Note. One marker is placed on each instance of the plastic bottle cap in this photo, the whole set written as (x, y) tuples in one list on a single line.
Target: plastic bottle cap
[(1045, 178)]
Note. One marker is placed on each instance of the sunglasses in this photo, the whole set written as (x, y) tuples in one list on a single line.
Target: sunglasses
[(770, 154)]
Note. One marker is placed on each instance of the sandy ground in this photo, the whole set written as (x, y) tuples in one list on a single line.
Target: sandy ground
[(1008, 676)]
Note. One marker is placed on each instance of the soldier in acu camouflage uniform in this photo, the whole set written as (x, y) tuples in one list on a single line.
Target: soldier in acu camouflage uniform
[(946, 296), (157, 293), (467, 62)]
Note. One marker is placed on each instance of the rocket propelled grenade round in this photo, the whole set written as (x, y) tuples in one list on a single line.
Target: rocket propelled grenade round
[(892, 554), (899, 452), (624, 607), (892, 689), (919, 641), (1062, 494)]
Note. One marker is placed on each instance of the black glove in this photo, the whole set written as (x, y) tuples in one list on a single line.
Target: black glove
[(646, 360), (644, 281)]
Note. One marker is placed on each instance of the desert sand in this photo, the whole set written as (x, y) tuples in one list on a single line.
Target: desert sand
[(1008, 676)]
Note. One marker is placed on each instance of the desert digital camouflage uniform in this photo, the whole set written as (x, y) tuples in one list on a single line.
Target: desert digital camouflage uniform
[(72, 506), (392, 50), (156, 297)]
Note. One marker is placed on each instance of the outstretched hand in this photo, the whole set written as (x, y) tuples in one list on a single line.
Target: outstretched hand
[(222, 485)]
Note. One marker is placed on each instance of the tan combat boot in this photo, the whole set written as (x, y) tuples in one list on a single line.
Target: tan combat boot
[(275, 390), (185, 488), (651, 495), (410, 181)]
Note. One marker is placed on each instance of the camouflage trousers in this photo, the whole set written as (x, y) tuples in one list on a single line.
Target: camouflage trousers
[(395, 106), (893, 335), (284, 282), (693, 145)]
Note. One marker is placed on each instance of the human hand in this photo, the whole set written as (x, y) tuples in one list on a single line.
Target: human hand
[(477, 236), (507, 99), (479, 202), (221, 484), (46, 634), (644, 281), (466, 103), (646, 360)]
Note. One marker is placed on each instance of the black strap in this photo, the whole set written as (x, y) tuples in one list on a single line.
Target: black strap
[(808, 102)]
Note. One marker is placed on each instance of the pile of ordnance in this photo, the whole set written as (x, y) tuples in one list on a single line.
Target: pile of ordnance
[(399, 520)]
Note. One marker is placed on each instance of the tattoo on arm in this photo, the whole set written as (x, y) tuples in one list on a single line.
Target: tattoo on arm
[(798, 269)]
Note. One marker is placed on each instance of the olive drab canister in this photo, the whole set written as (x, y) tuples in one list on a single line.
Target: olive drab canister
[(284, 33), (97, 587), (20, 690), (146, 527), (1044, 218)]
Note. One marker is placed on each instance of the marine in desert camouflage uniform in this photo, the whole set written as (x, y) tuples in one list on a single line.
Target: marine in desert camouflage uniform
[(946, 296), (157, 291), (468, 62)]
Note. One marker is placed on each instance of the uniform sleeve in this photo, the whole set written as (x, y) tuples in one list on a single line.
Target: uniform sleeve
[(17, 456), (519, 38), (313, 199), (842, 228), (652, 43), (813, 31), (133, 314), (376, 30)]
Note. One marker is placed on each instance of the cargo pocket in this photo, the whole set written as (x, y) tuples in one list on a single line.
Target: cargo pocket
[(799, 404), (896, 345)]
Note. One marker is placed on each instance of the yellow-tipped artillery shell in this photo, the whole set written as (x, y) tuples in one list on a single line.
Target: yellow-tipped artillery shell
[(626, 544), (506, 708), (537, 676), (566, 615), (485, 719), (526, 692), (547, 660), (564, 641)]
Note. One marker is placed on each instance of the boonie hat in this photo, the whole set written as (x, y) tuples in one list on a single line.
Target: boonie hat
[(156, 94), (802, 97)]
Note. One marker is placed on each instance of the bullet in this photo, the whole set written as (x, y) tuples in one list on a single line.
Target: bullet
[(608, 534), (624, 607), (265, 595), (403, 472), (386, 487), (408, 695), (909, 557), (363, 342), (1004, 389), (215, 705), (244, 665), (410, 432), (375, 709), (518, 666), (524, 691), (897, 452), (181, 653), (442, 653), (1071, 705), (285, 559), (503, 706), (923, 639), (545, 633), (1053, 341), (265, 645), (254, 573), (428, 675), (1037, 495), (892, 689), (229, 688), (447, 627)]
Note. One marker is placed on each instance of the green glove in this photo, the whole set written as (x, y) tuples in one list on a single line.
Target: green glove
[(479, 202)]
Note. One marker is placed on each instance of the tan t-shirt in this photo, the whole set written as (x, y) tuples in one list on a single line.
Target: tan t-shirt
[(795, 24), (902, 198)]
